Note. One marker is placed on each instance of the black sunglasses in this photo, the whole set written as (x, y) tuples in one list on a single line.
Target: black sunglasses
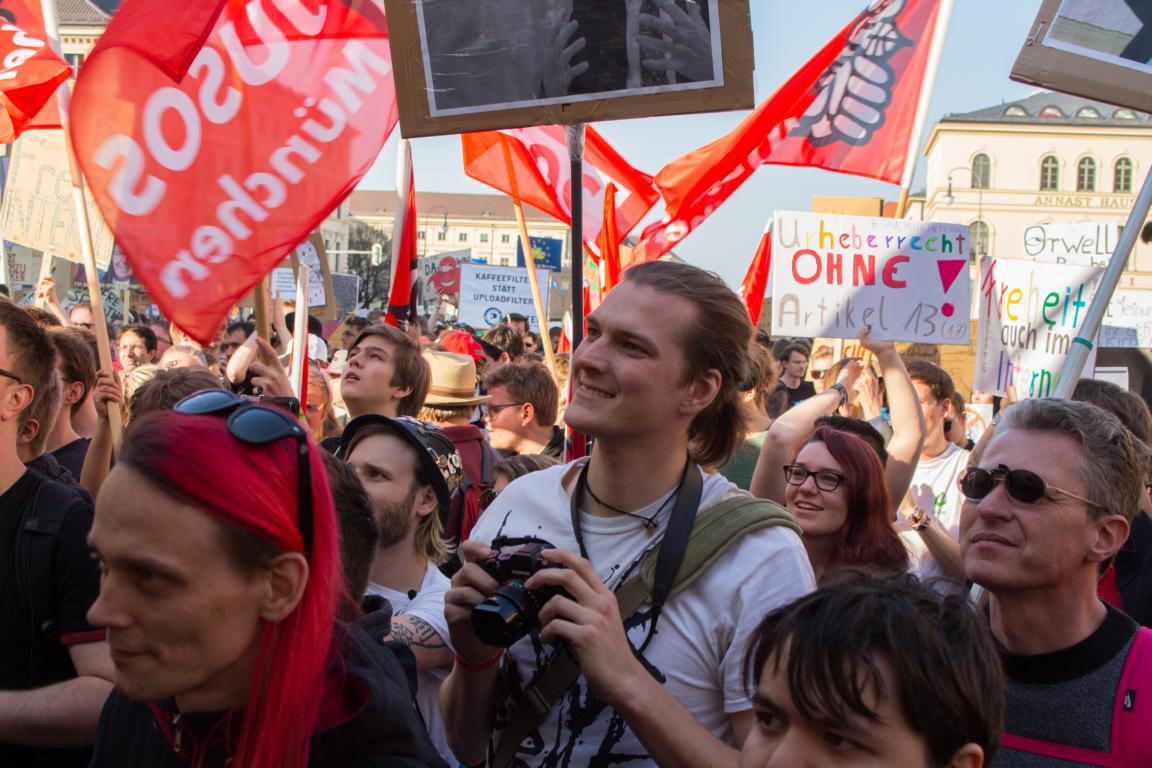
[(260, 425), (1022, 485)]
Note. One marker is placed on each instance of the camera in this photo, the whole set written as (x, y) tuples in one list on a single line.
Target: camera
[(512, 611)]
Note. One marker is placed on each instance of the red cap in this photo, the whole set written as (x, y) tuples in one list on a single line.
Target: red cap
[(463, 344)]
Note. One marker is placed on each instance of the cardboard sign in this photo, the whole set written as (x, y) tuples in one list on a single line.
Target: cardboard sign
[(113, 300), (1128, 321), (1086, 245), (346, 291), (834, 275), (37, 211), (546, 252), (440, 278), (282, 280), (1028, 319), (23, 265), (1098, 49), (489, 294), (471, 66)]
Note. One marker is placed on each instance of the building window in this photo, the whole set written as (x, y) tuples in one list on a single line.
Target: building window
[(978, 232), (1049, 174), (441, 236), (1123, 114), (1088, 113), (1015, 110), (981, 172), (463, 237), (1052, 111), (505, 239), (420, 235), (1086, 175), (1122, 176), (483, 237)]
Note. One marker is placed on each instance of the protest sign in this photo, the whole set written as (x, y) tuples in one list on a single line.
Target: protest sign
[(1028, 319), (312, 254), (489, 294), (23, 265), (977, 418), (37, 211), (440, 278), (546, 252), (346, 292), (112, 296), (835, 275), (1128, 321), (1086, 245), (469, 66), (1098, 49)]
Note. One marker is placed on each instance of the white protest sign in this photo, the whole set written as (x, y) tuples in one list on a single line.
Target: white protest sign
[(440, 277), (834, 275), (23, 265), (1028, 320), (489, 294), (282, 283), (977, 417), (1079, 244), (1128, 321)]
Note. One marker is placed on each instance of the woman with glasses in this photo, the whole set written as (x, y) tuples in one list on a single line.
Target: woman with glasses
[(221, 579)]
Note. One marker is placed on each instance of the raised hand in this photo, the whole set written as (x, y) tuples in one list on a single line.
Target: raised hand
[(677, 41), (558, 65)]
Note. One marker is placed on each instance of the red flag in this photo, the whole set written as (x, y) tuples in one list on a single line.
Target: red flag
[(609, 244), (756, 281), (850, 109), (401, 297), (30, 73), (209, 182), (532, 165)]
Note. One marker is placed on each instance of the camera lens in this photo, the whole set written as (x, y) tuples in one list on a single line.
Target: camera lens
[(505, 617)]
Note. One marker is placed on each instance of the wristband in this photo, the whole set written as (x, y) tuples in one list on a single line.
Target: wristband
[(843, 392), (919, 520), (482, 666)]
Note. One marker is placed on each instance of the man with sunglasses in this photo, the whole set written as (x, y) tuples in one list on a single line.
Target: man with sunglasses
[(1044, 512), (54, 665)]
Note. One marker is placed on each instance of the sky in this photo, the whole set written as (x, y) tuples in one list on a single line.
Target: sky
[(983, 40)]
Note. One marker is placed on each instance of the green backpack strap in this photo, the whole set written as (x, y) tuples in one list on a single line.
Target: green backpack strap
[(717, 529)]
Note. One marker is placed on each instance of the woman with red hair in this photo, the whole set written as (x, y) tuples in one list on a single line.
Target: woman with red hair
[(217, 542), (836, 491)]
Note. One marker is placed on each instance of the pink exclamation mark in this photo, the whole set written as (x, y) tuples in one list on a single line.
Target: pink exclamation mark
[(949, 269)]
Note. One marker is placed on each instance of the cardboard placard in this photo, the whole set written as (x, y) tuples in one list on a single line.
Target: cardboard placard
[(313, 254), (489, 294), (23, 266), (1098, 49), (440, 279), (1086, 245), (37, 211), (1028, 319), (462, 65), (834, 275), (1128, 320)]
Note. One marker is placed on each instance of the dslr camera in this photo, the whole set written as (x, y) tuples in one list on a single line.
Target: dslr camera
[(512, 610)]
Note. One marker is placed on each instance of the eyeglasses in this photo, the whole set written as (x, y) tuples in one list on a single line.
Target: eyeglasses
[(492, 410), (260, 425), (11, 375), (817, 374), (1022, 485), (825, 479)]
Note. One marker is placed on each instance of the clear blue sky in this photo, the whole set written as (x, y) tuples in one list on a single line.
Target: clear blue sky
[(983, 40)]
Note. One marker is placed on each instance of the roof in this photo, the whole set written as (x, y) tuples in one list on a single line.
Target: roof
[(498, 207), (86, 12), (1050, 108)]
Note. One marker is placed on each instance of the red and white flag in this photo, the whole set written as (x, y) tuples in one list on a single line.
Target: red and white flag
[(755, 283), (209, 180), (30, 73), (852, 108), (401, 294), (533, 166)]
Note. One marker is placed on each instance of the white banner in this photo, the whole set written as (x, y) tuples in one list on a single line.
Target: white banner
[(1028, 320), (1128, 321), (1087, 245), (834, 275), (489, 294)]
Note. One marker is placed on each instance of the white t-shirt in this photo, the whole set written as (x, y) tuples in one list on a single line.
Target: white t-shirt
[(428, 605), (701, 636), (940, 475)]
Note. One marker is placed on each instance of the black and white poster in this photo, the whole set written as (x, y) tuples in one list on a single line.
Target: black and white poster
[(490, 55), (1115, 31)]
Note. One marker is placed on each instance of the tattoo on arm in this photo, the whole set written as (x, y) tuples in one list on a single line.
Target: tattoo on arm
[(416, 633)]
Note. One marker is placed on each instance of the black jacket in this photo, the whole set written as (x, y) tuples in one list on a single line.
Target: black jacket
[(384, 732)]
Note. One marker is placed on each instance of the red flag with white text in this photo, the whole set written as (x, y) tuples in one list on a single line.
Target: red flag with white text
[(209, 181), (401, 294), (30, 73), (850, 109), (755, 283), (533, 165)]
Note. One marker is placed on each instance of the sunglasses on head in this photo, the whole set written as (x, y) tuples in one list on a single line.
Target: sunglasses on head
[(1022, 485), (260, 425)]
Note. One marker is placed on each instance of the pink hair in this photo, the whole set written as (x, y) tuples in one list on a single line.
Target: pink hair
[(189, 457)]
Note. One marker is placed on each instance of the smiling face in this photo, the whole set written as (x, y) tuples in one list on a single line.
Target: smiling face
[(819, 513), (628, 373), (133, 351), (1009, 545), (183, 618)]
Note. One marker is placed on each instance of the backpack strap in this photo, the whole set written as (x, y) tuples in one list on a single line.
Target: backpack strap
[(715, 531), (1071, 754), (1132, 711)]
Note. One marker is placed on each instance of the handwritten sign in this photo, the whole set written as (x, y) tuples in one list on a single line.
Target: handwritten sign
[(489, 294), (23, 265), (1081, 244), (834, 275), (1028, 320), (1128, 321), (440, 278), (37, 211)]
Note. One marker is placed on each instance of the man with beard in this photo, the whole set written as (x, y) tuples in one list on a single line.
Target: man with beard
[(410, 470)]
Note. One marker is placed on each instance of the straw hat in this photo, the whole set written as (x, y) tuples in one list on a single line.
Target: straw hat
[(453, 379)]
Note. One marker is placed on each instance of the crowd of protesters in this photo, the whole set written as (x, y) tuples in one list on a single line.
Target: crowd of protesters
[(769, 557)]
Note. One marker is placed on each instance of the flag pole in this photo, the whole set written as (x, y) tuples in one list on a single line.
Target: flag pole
[(1082, 343), (935, 52), (300, 335), (534, 283), (64, 99), (400, 220), (577, 443)]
